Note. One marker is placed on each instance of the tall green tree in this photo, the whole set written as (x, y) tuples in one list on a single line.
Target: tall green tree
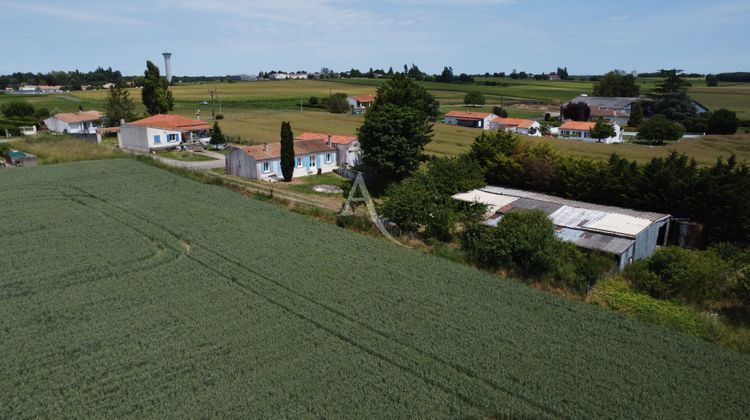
[(474, 97), (404, 91), (602, 130), (578, 111), (446, 76), (673, 82), (287, 151), (636, 115), (723, 121), (217, 137), (658, 129), (617, 83), (155, 93), (118, 106), (392, 139)]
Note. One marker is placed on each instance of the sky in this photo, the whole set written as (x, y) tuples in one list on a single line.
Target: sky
[(220, 37)]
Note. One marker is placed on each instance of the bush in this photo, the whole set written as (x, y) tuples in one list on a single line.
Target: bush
[(500, 112), (313, 100), (723, 121), (474, 97), (523, 241), (337, 104), (17, 109), (219, 117), (687, 276), (658, 129)]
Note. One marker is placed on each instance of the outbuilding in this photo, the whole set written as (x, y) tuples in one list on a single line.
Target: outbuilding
[(627, 234), (481, 120)]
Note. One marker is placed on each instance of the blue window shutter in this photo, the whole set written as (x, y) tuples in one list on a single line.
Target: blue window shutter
[(318, 160), (157, 139)]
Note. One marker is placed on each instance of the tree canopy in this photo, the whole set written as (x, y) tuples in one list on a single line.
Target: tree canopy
[(474, 97), (617, 83), (118, 106), (723, 121), (155, 94), (578, 111), (401, 90), (673, 82), (602, 130), (392, 138), (658, 129), (287, 151)]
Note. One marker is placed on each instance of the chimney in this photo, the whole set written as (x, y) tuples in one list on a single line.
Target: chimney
[(168, 66), (329, 142), (265, 147), (122, 121)]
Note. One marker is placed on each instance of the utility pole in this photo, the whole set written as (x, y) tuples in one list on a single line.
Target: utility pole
[(212, 92)]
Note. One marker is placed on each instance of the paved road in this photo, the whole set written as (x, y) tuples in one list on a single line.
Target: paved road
[(196, 166)]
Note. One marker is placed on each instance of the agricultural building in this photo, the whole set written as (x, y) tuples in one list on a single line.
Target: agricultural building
[(81, 122), (580, 130), (313, 156), (360, 102), (481, 120), (348, 151), (160, 131), (628, 234), (517, 125)]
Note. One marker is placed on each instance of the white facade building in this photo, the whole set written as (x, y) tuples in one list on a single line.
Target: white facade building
[(264, 161), (579, 130), (160, 132), (481, 120), (81, 122)]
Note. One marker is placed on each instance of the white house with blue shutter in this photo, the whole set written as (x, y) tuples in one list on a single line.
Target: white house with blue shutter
[(160, 132), (314, 156)]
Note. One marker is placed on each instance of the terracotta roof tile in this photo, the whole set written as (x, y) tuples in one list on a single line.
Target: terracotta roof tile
[(335, 138), (273, 150), (80, 116), (578, 125), (172, 122), (364, 98), (514, 122)]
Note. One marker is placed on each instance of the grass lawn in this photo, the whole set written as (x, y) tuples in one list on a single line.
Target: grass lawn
[(60, 148), (305, 184), (115, 302), (186, 156)]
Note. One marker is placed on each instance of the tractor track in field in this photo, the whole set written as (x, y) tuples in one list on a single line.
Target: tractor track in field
[(410, 359)]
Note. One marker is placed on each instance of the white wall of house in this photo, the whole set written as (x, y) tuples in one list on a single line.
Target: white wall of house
[(59, 126), (583, 135), (485, 124), (348, 154), (144, 139), (304, 165)]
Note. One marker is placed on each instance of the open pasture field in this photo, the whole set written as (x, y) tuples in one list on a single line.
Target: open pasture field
[(126, 290)]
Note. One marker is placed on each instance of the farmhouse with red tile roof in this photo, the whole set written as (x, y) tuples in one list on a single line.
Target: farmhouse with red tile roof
[(162, 131), (263, 161)]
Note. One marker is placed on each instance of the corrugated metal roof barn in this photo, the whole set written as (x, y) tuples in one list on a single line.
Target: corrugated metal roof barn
[(629, 234)]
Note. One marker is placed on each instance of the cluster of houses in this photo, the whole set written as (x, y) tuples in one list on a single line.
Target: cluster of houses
[(490, 121)]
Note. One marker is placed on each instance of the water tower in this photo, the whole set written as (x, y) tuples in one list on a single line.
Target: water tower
[(168, 66)]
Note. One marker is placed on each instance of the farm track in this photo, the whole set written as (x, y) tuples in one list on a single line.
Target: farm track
[(472, 389)]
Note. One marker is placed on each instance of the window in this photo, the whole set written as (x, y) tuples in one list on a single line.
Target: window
[(266, 167), (328, 158), (157, 139), (171, 138), (312, 161), (299, 162)]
